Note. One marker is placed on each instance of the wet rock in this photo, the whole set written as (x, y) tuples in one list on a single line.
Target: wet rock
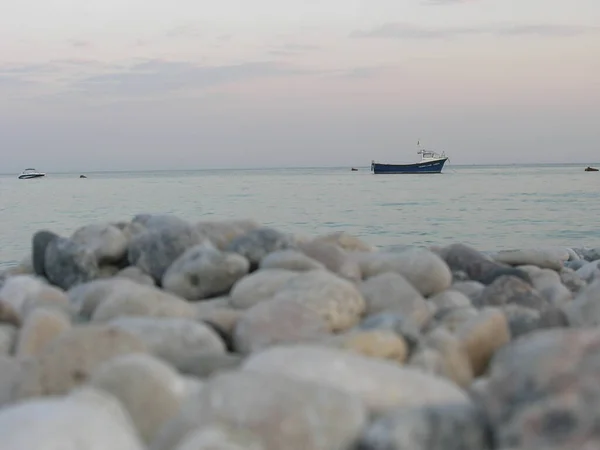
[(171, 339), (277, 322), (425, 270), (203, 272), (481, 336), (151, 391), (204, 365), (68, 263), (584, 310), (543, 258), (134, 273), (590, 254), (67, 423), (41, 327), (39, 244), (258, 243), (444, 427), (391, 292), (382, 385), (290, 260), (508, 289), (335, 299), (543, 392), (107, 242), (576, 264), (259, 286), (155, 249), (133, 299), (396, 322), (334, 258), (262, 404), (67, 361)]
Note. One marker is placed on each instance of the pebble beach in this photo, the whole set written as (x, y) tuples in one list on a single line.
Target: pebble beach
[(159, 333)]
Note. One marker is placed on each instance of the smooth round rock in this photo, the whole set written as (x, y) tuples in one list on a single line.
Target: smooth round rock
[(425, 270), (171, 339), (150, 390), (276, 322), (290, 260), (68, 263), (203, 272), (39, 244), (382, 385), (67, 361), (283, 413), (106, 241), (335, 299), (258, 243), (41, 327), (259, 286), (391, 292)]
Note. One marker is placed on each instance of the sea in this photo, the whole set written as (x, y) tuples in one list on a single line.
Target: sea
[(487, 207)]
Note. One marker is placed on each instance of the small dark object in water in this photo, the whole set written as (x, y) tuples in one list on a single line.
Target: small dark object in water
[(591, 169), (82, 176), (354, 170)]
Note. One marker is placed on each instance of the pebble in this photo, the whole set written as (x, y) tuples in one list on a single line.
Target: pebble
[(335, 299), (133, 299), (171, 339), (151, 391), (389, 291), (67, 361), (425, 270), (508, 289), (8, 335), (542, 258), (275, 322), (333, 257), (203, 272), (443, 427), (258, 243), (290, 260), (382, 385), (381, 344), (155, 249), (67, 423), (280, 411), (159, 333), (40, 327), (259, 286)]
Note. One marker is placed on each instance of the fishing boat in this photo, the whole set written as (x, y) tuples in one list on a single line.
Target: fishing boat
[(431, 162), (30, 173), (591, 169)]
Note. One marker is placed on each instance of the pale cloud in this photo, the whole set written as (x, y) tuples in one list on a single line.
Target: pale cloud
[(399, 30)]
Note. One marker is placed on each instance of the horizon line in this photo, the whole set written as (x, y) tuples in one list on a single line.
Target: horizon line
[(73, 171)]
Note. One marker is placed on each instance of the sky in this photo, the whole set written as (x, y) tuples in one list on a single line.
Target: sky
[(192, 84)]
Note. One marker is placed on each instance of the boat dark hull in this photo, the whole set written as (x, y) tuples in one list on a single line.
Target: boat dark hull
[(28, 177), (424, 167)]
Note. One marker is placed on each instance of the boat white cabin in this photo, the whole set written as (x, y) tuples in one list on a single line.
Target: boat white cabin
[(31, 173), (428, 155)]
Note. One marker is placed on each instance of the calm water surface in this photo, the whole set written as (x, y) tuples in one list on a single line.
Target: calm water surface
[(487, 207)]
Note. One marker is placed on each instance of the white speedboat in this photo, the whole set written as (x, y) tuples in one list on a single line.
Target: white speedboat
[(31, 173)]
